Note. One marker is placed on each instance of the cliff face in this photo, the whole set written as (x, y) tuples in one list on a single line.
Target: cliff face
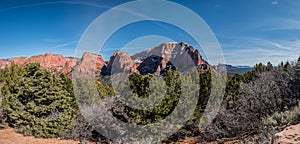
[(154, 60), (89, 64), (119, 62), (59, 64), (54, 63), (179, 55), (4, 63)]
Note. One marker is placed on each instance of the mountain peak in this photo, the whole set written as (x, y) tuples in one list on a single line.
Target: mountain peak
[(178, 54), (153, 60)]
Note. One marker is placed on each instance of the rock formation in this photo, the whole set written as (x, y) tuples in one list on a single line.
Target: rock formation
[(119, 62), (154, 60), (179, 55), (89, 64)]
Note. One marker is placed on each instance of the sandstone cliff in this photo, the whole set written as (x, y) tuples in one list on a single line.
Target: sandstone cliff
[(153, 60)]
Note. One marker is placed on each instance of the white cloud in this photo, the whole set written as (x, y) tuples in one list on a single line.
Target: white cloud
[(63, 45), (274, 2), (56, 2), (285, 45), (281, 24), (249, 51)]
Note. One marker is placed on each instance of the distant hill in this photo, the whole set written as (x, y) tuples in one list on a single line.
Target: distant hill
[(236, 69)]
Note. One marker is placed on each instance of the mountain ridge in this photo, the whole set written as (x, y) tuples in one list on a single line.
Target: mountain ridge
[(230, 69), (153, 60)]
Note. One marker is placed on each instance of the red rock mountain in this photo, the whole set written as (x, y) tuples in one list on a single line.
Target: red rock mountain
[(89, 64), (179, 55), (52, 62), (154, 60), (119, 62)]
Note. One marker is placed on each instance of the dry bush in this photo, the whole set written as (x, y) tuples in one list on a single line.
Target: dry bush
[(271, 92)]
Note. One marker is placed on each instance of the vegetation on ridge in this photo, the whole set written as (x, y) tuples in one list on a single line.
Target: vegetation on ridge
[(259, 102)]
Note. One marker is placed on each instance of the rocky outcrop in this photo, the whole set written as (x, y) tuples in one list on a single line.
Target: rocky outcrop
[(151, 64), (20, 60), (90, 64), (179, 55), (4, 63), (154, 60), (134, 68), (119, 62), (68, 68), (54, 63)]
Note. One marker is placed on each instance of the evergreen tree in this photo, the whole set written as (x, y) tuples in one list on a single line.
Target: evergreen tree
[(269, 66), (140, 88), (205, 87), (287, 67), (232, 90), (297, 68), (36, 102)]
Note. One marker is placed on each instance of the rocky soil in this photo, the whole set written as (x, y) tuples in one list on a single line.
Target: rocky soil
[(290, 135)]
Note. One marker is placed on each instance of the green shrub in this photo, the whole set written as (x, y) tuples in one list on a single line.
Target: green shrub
[(282, 119), (36, 102)]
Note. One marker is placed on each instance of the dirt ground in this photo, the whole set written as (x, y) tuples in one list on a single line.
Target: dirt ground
[(290, 135), (9, 136)]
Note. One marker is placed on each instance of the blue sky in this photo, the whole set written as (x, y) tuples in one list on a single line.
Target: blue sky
[(248, 31)]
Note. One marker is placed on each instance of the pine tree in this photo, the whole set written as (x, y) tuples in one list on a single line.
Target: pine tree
[(140, 88), (232, 90), (37, 102), (297, 68), (269, 66), (287, 67)]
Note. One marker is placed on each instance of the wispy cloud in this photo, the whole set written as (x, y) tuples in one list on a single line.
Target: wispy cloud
[(56, 2), (256, 55), (281, 24), (63, 45), (249, 51), (75, 3), (285, 45)]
